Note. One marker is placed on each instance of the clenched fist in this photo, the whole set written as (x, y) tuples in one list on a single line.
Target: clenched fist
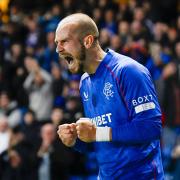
[(86, 130), (67, 133)]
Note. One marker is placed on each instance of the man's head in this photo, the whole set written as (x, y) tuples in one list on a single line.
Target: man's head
[(48, 133), (76, 34)]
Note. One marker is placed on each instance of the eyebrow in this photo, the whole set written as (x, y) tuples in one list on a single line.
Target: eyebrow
[(62, 40)]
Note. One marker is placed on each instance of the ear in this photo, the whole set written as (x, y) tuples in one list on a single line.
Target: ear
[(88, 41)]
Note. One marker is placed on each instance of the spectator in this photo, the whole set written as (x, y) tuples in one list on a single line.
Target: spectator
[(49, 56), (38, 85), (176, 157), (110, 22), (172, 93), (16, 167), (54, 157), (30, 128), (58, 84), (124, 31), (115, 43), (9, 108), (156, 64), (15, 162), (57, 117), (4, 134), (33, 34), (104, 38), (73, 109)]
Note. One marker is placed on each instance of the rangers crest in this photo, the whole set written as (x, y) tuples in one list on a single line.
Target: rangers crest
[(107, 91)]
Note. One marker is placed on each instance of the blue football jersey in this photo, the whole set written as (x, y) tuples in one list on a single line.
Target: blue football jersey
[(121, 95)]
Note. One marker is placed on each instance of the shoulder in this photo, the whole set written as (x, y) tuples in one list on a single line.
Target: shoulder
[(126, 62), (126, 69), (83, 77), (119, 61), (123, 65)]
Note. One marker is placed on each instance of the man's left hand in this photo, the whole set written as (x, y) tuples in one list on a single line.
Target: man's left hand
[(86, 130)]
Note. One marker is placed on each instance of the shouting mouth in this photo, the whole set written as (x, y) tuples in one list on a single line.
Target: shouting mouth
[(72, 62), (69, 59)]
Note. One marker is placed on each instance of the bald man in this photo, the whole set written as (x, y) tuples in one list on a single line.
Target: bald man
[(76, 39), (123, 117)]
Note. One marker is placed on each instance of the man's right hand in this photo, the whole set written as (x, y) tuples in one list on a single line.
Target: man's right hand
[(67, 133)]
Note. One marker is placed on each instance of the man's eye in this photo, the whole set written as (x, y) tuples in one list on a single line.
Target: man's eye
[(63, 41)]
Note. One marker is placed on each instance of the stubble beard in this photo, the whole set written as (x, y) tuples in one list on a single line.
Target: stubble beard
[(80, 61)]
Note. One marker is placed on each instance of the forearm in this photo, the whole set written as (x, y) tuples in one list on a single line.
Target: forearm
[(137, 131), (46, 76), (28, 81)]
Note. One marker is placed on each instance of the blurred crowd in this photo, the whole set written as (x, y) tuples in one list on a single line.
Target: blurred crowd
[(37, 93)]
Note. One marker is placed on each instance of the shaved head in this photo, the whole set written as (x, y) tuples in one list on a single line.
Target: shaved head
[(82, 23), (77, 42)]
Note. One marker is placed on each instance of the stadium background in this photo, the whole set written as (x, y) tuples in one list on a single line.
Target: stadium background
[(37, 93)]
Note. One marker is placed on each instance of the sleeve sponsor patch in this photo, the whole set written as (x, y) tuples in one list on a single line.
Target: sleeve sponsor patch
[(144, 107)]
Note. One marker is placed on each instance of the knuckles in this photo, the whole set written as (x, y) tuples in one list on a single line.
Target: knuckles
[(68, 132)]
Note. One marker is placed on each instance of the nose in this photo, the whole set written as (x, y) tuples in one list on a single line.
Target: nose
[(59, 48)]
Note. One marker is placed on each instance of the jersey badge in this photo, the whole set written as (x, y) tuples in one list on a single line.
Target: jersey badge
[(107, 91)]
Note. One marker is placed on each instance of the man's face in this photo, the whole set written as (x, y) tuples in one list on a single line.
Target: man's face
[(70, 47)]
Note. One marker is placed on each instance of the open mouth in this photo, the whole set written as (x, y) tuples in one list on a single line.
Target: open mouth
[(69, 59)]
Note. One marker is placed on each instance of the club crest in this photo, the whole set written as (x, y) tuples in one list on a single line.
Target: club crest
[(107, 91)]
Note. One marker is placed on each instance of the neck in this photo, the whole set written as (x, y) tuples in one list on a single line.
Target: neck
[(93, 59)]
